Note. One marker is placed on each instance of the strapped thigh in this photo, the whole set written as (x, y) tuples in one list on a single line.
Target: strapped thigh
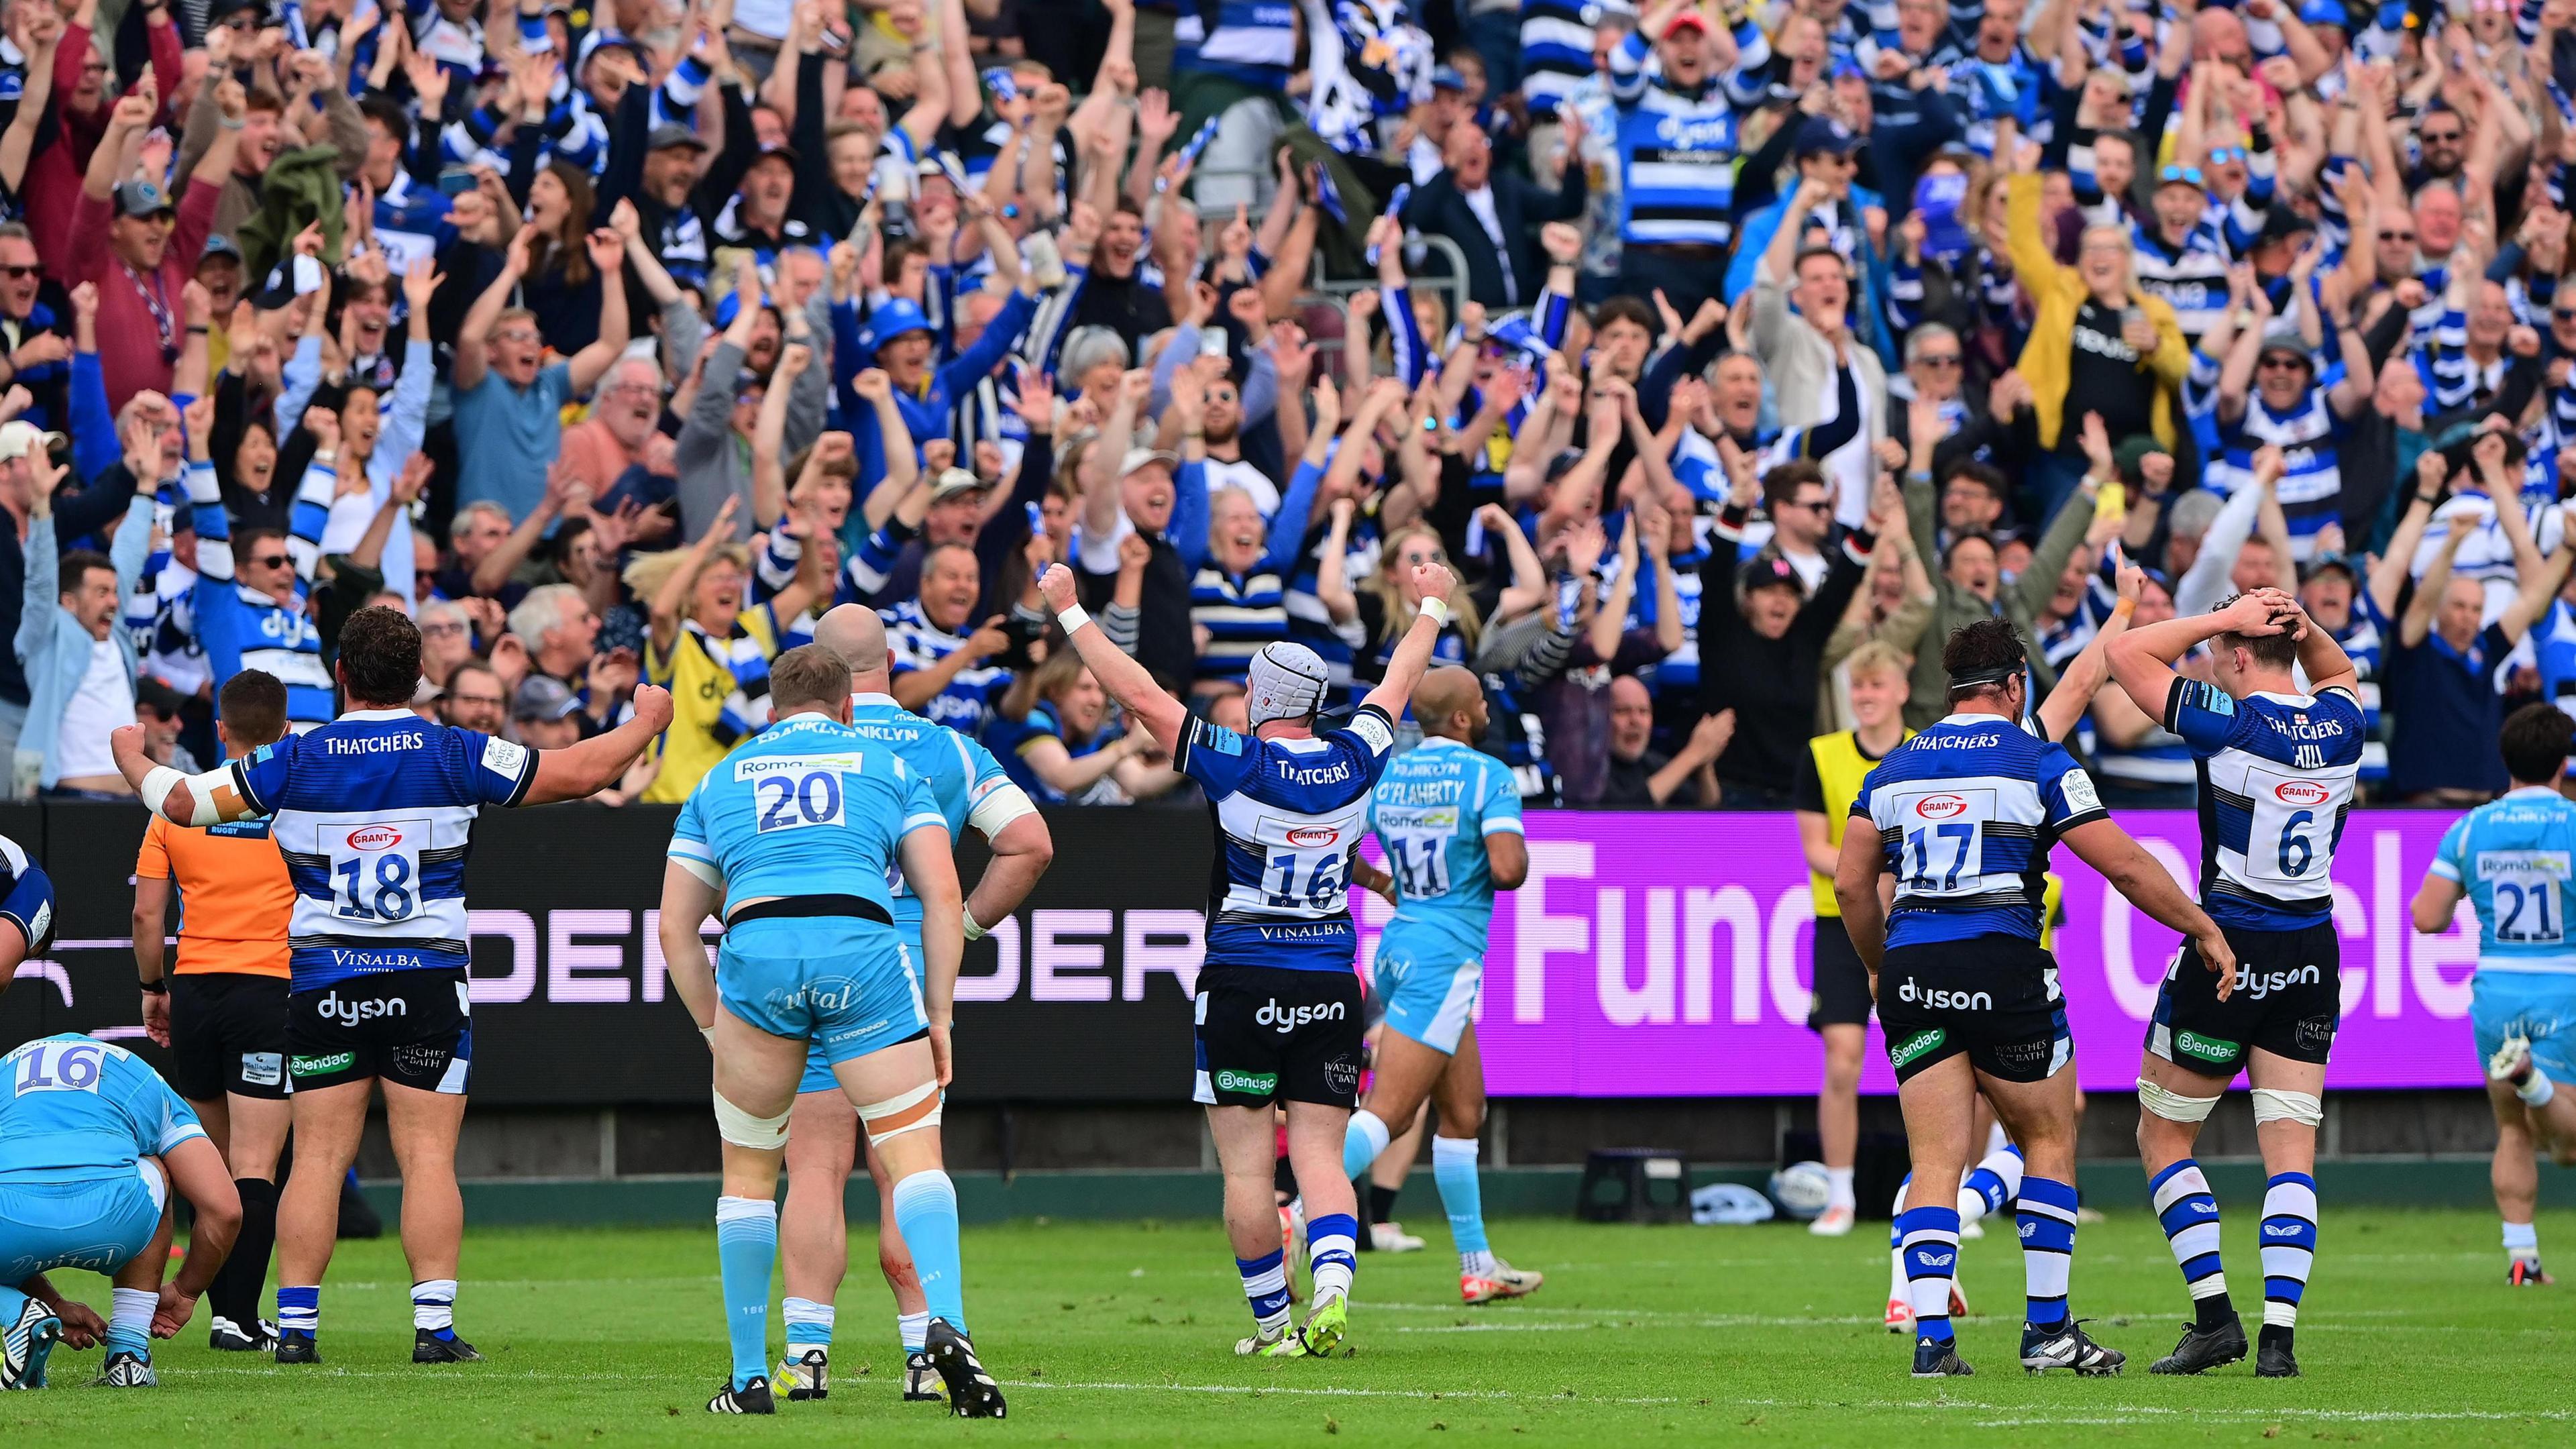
[(904, 1112)]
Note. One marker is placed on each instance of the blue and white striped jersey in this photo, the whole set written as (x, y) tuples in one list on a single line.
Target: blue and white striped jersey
[(242, 628), (2276, 781), (972, 694), (811, 807), (2311, 484), (2513, 858), (1251, 42), (374, 815), (1290, 815), (2192, 277), (1677, 150), (1556, 51), (74, 1109), (1965, 813)]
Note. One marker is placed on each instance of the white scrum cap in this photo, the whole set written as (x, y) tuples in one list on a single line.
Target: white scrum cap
[(1286, 681)]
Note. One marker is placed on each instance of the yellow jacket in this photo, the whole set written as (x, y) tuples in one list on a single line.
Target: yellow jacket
[(2058, 291)]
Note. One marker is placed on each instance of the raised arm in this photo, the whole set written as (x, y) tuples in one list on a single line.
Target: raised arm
[(2103, 845), (1394, 692), (1126, 680), (593, 765)]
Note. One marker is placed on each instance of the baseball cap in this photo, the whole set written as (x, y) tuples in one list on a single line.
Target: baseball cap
[(2131, 455), (141, 198), (1821, 135), (543, 697), (1146, 457), (2289, 342), (782, 151), (2325, 12), (1689, 19), (670, 134), (889, 322), (1446, 78), (18, 439), (2325, 561), (219, 248), (953, 481)]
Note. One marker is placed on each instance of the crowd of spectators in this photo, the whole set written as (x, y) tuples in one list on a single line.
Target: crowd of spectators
[(1713, 349)]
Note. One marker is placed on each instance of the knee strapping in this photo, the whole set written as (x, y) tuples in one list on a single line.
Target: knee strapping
[(2304, 1108), (906, 1112), (742, 1129), (2174, 1106)]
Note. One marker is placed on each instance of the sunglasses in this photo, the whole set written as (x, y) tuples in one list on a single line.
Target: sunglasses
[(2404, 236), (2221, 155), (2440, 138), (271, 560), (1939, 359), (2558, 318), (2281, 364), (19, 274), (1817, 506)]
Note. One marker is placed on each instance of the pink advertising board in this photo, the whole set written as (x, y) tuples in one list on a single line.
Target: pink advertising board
[(1667, 954)]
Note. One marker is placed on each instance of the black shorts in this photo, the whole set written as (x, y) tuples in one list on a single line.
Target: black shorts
[(228, 1034), (2288, 1000), (1842, 982), (411, 1028), (1267, 1035), (1993, 997)]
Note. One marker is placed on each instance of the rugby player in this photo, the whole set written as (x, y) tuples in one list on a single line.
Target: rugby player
[(1964, 814), (1278, 1012), (1450, 819), (91, 1142), (2277, 768), (823, 1132), (811, 801), (221, 1010), (374, 814), (2511, 859)]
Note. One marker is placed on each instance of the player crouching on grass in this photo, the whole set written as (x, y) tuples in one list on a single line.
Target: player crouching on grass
[(808, 802), (1279, 1002)]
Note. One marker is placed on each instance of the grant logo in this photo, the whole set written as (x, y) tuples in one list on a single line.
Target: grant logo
[(1915, 1046), (1257, 1083), (332, 1008), (2301, 792), (374, 837), (1289, 1018), (1313, 835), (1940, 807)]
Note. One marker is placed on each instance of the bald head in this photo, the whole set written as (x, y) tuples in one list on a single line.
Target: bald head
[(1450, 703), (854, 632)]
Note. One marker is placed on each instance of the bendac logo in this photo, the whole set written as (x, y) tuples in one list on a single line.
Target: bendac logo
[(1310, 835), (2301, 792), (374, 837), (1939, 807)]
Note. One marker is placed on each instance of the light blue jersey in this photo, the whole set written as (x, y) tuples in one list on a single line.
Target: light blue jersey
[(807, 821), (2512, 857), (77, 1119), (1434, 809)]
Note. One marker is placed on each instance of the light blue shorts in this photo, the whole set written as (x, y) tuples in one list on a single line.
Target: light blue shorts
[(818, 1067), (1428, 985), (844, 983), (98, 1225), (2538, 1004)]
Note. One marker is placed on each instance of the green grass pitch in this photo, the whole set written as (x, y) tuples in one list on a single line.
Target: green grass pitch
[(1122, 1333)]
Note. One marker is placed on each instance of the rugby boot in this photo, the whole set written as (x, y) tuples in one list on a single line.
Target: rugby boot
[(2202, 1349), (1327, 1326), (1833, 1222), (427, 1346), (25, 1344), (297, 1348), (1392, 1238), (751, 1398), (1900, 1314), (2067, 1347), (2526, 1273), (2273, 1358), (972, 1394), (127, 1371), (2511, 1063), (1938, 1358), (229, 1337), (807, 1376), (1505, 1281), (921, 1379), (1286, 1345)]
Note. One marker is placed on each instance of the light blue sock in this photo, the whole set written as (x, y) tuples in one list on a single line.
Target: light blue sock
[(809, 1324), (1361, 1145), (12, 1303), (925, 1210), (129, 1322), (746, 1246), (1462, 1196)]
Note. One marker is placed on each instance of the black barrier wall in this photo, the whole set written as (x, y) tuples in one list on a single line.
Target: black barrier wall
[(1070, 1000)]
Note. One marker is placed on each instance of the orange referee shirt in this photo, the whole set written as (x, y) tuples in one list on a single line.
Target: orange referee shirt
[(234, 895)]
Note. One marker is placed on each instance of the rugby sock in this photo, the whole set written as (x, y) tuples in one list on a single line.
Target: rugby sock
[(1381, 1203), (433, 1306), (1930, 1238), (925, 1211), (1330, 1241), (1361, 1144), (2536, 1090), (1996, 1139), (809, 1325), (1896, 1243), (299, 1310), (234, 1295), (2188, 1211), (2047, 1223), (1265, 1286), (746, 1245), (2289, 1250), (914, 1330), (129, 1322), (1462, 1196), (1840, 1179), (2521, 1243), (1990, 1185)]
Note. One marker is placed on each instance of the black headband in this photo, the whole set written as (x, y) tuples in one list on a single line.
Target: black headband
[(1980, 678)]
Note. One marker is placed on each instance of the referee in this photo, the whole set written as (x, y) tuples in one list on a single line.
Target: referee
[(1829, 779), (221, 1011)]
